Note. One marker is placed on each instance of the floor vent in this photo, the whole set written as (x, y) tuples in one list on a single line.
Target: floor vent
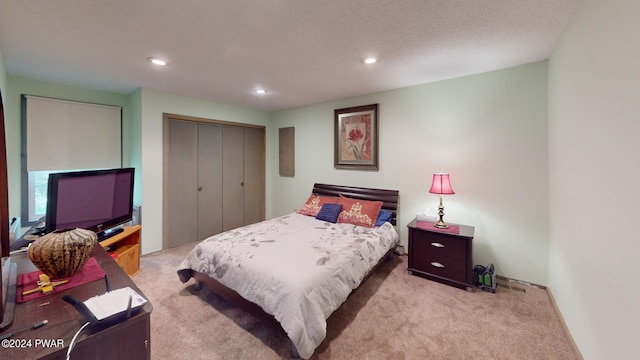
[(511, 287)]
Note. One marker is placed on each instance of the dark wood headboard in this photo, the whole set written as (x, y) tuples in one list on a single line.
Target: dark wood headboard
[(389, 198)]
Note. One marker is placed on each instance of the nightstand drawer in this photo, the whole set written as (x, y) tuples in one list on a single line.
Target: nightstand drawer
[(454, 269), (424, 243)]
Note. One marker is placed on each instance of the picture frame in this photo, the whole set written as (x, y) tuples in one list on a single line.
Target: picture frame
[(356, 138)]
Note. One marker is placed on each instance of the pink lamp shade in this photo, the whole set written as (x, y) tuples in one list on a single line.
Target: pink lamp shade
[(441, 184)]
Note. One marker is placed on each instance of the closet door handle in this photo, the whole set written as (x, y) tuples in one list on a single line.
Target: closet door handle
[(199, 188), (242, 183)]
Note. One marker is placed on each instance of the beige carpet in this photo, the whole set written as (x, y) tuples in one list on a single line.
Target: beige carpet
[(393, 315)]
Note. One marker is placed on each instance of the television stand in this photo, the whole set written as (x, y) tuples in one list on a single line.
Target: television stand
[(124, 248), (104, 235)]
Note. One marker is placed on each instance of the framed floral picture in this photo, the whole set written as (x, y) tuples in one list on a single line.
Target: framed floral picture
[(356, 138)]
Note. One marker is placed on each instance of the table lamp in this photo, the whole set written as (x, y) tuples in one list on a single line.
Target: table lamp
[(441, 186)]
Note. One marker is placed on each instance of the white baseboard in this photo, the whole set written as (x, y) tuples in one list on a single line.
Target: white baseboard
[(576, 351)]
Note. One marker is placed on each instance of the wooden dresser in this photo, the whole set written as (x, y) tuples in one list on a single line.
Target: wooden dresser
[(128, 339), (441, 255)]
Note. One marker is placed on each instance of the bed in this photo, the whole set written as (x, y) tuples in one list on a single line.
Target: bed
[(293, 271)]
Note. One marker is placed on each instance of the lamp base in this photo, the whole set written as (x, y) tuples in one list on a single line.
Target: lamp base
[(441, 225)]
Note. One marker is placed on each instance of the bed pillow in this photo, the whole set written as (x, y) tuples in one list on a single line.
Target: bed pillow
[(329, 212), (359, 212), (314, 203), (383, 217)]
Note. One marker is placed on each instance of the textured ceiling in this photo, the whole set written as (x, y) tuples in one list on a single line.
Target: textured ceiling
[(302, 51)]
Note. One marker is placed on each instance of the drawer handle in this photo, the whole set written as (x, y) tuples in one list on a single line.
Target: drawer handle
[(438, 245), (437, 264)]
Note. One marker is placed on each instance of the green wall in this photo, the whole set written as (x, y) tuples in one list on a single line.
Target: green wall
[(489, 131), (594, 128)]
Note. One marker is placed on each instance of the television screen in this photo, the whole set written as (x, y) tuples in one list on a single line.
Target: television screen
[(97, 200)]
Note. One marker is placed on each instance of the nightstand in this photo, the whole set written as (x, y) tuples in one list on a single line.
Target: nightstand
[(442, 255)]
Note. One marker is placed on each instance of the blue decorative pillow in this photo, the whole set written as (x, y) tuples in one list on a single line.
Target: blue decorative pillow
[(329, 212), (383, 217)]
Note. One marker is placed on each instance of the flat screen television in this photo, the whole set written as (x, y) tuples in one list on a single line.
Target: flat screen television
[(96, 200)]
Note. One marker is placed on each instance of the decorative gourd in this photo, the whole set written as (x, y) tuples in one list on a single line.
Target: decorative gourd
[(62, 254)]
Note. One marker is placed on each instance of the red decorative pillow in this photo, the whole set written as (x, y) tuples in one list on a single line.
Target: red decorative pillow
[(359, 212), (314, 204)]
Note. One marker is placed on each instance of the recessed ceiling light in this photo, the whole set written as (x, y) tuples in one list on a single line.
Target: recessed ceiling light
[(261, 91), (157, 61), (370, 60)]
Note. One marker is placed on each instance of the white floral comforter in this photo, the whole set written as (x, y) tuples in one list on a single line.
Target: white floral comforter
[(295, 267)]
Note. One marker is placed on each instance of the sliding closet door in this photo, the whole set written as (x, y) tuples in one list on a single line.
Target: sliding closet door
[(181, 197), (209, 180), (253, 195), (213, 178), (233, 178)]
